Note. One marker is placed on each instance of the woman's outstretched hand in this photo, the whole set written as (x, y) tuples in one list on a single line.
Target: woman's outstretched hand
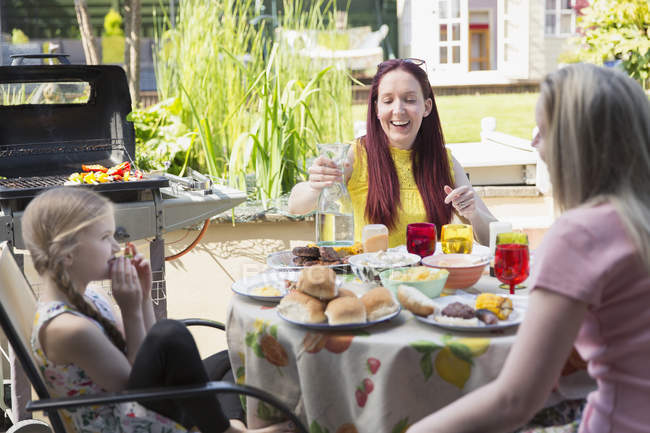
[(462, 199), (323, 173)]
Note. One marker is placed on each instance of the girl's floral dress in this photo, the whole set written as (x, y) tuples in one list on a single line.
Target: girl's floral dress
[(69, 380)]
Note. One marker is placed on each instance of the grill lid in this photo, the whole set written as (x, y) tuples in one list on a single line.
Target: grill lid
[(53, 118)]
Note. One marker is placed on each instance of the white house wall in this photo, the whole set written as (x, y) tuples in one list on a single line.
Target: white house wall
[(537, 41)]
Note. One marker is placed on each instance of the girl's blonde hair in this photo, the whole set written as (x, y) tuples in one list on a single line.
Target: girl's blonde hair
[(597, 145), (51, 226)]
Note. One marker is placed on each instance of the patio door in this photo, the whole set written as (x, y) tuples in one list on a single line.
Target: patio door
[(451, 34), (513, 21)]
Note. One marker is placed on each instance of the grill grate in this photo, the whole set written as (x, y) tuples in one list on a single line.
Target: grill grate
[(33, 182), (76, 146)]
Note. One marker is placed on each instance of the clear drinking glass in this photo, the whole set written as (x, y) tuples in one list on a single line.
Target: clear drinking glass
[(457, 238), (334, 214)]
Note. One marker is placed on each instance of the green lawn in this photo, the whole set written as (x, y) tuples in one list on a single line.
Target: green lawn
[(461, 115)]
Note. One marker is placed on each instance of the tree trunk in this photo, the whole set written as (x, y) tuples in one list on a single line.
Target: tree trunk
[(87, 37), (132, 27)]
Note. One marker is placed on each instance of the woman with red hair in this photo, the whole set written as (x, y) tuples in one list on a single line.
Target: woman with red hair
[(400, 172)]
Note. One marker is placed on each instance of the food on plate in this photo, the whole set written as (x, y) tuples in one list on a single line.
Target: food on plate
[(487, 317), (129, 250), (346, 309), (456, 321), (457, 313), (386, 259), (300, 307), (460, 262), (418, 273), (379, 302), (458, 309), (318, 281), (306, 252), (312, 255), (96, 173), (415, 301), (499, 305), (267, 290)]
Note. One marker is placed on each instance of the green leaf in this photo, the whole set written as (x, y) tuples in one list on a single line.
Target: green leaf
[(426, 366), (462, 351), (401, 426), (273, 330), (241, 372), (250, 338), (257, 348), (425, 346)]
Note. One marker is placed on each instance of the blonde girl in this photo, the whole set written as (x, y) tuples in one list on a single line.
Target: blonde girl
[(83, 346), (591, 282)]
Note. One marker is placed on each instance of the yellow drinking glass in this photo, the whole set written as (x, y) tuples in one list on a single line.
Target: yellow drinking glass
[(457, 239)]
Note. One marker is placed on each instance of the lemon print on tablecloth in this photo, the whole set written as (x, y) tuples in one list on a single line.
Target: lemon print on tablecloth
[(454, 358)]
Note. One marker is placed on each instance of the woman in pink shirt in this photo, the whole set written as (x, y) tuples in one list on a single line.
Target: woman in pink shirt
[(591, 279)]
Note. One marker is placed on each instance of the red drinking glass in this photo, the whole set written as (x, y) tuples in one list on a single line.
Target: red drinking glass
[(511, 264), (421, 239)]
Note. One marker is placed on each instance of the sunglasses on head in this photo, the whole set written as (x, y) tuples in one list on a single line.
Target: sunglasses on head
[(415, 61)]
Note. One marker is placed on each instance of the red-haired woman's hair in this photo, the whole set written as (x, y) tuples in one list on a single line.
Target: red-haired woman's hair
[(428, 158)]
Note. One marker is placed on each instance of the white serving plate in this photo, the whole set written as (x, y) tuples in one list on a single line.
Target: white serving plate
[(515, 318)]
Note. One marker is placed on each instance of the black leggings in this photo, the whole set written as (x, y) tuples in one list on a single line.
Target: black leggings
[(169, 357)]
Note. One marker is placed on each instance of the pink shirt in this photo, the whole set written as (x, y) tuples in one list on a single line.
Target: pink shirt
[(587, 255)]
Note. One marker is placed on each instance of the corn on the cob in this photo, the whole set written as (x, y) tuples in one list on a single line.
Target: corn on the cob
[(499, 305)]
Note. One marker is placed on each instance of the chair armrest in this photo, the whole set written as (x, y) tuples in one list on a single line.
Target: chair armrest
[(204, 322), (163, 393)]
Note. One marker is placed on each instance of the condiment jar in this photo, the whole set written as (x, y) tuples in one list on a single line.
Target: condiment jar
[(374, 237)]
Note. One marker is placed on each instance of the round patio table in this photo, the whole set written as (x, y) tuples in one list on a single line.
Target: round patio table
[(377, 379)]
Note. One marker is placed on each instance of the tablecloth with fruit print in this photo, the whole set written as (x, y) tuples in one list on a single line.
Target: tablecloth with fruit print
[(377, 379)]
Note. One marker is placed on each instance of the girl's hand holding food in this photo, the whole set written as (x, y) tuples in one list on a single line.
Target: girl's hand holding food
[(462, 199), (143, 268), (125, 285)]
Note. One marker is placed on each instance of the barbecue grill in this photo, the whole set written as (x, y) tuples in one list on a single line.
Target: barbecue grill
[(53, 119)]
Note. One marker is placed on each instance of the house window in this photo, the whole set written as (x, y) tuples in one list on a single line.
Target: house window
[(560, 18)]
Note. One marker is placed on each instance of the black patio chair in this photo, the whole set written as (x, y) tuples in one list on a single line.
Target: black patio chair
[(17, 308)]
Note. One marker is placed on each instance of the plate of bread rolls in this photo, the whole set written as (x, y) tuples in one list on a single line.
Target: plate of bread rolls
[(318, 303), (469, 313)]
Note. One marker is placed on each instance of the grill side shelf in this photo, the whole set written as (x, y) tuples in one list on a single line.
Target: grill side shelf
[(26, 187)]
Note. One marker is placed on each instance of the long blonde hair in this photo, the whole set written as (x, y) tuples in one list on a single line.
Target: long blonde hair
[(597, 145), (51, 226)]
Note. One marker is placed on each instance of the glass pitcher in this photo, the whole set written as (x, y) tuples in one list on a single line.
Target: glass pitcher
[(334, 214)]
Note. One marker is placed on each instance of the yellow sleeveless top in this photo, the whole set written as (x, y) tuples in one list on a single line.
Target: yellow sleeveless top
[(412, 208)]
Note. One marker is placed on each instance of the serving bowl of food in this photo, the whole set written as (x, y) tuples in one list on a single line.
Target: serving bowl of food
[(427, 280), (368, 266), (464, 269)]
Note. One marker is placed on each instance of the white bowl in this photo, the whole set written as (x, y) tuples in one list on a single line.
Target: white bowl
[(368, 266)]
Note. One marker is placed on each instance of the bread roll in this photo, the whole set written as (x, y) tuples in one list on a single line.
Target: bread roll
[(346, 309), (415, 301), (300, 307), (318, 281), (379, 302), (346, 292)]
